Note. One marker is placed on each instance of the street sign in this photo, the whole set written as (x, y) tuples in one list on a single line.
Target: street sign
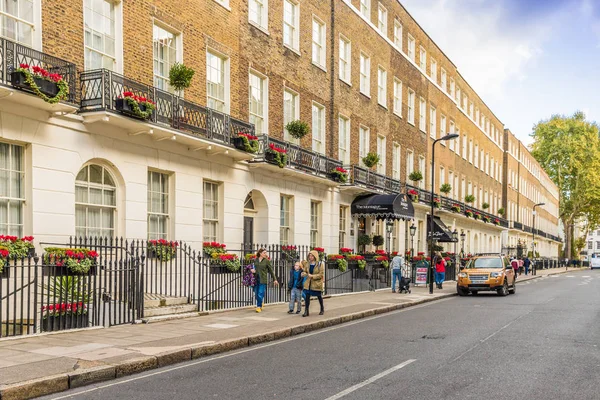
[(421, 273)]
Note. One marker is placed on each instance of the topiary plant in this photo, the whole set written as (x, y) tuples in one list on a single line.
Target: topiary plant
[(469, 198), (485, 206), (364, 240), (371, 159), (446, 188), (378, 240), (415, 176), (297, 129), (180, 77), (501, 211)]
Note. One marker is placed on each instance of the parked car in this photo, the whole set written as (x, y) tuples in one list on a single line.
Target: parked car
[(594, 262), (487, 273)]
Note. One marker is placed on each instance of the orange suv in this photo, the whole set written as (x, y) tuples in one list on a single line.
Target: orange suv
[(486, 273)]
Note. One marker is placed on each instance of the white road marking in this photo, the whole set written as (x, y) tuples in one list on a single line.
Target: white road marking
[(570, 276), (254, 348), (370, 380), (221, 326), (586, 276)]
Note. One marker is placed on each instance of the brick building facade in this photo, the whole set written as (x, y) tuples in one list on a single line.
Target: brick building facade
[(362, 73)]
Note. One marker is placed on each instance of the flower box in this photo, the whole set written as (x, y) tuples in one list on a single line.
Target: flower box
[(64, 322), (55, 270), (246, 142), (276, 155), (271, 158), (339, 174), (332, 264), (18, 80), (124, 107), (152, 254), (5, 274), (219, 269), (238, 143)]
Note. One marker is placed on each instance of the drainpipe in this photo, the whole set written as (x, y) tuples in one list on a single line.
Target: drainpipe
[(332, 78)]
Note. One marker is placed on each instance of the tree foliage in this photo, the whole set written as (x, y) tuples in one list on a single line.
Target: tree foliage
[(568, 148)]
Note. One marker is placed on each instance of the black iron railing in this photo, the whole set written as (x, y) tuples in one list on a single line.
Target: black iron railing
[(13, 54), (101, 88), (360, 176), (300, 158)]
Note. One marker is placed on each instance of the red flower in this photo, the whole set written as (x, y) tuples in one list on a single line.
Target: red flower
[(413, 192), (27, 238), (24, 66), (436, 200), (4, 253), (277, 149), (382, 258), (335, 257), (356, 257), (341, 170), (380, 252), (346, 250), (319, 249), (421, 253), (55, 77), (248, 136), (92, 254)]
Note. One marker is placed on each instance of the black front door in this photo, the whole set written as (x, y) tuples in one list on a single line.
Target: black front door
[(248, 234)]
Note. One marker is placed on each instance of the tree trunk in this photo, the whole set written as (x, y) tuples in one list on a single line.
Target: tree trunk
[(568, 235)]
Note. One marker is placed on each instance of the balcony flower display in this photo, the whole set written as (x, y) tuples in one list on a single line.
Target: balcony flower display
[(469, 213), (340, 174), (289, 252), (414, 194), (246, 142), (437, 203), (276, 155), (321, 252), (338, 260), (3, 258), (18, 247), (77, 260), (229, 261), (211, 248), (51, 88), (421, 253), (346, 250), (455, 207), (384, 260), (162, 249), (380, 252), (136, 106), (358, 259), (496, 221), (477, 215), (487, 219)]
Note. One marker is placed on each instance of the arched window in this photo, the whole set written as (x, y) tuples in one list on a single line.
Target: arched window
[(95, 202)]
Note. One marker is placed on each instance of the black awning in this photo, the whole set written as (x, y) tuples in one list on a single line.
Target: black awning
[(441, 233), (383, 206)]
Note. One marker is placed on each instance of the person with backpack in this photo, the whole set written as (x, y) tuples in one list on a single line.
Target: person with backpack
[(440, 269), (397, 265)]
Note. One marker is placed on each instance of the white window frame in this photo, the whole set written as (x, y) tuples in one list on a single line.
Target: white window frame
[(318, 127), (165, 217), (365, 9), (433, 122), (382, 19), (344, 133), (343, 226), (382, 152), (433, 69), (262, 15), (118, 36), (226, 81), (452, 88), (411, 48), (382, 86), (443, 125), (293, 26), (285, 219), (464, 146), (264, 89), (396, 160), (178, 44), (423, 169), (398, 34), (410, 163), (397, 107), (444, 80), (411, 107), (34, 24), (365, 74), (296, 100), (319, 50), (423, 59), (315, 223), (15, 199), (364, 138), (345, 63), (423, 114)]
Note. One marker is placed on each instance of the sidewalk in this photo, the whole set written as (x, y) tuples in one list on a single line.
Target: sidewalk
[(32, 366)]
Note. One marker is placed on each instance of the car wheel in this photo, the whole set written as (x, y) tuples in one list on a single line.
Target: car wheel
[(461, 291), (474, 292), (513, 289), (503, 291)]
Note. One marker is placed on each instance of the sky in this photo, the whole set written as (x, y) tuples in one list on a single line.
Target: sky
[(527, 59)]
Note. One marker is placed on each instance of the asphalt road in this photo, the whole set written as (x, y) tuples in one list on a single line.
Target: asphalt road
[(541, 343)]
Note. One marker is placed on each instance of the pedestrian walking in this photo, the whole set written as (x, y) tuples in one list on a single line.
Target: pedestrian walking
[(262, 269), (440, 269), (313, 270), (397, 265), (295, 285), (514, 263), (527, 264)]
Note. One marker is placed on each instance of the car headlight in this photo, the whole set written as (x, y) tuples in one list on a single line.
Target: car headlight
[(462, 275), (496, 274)]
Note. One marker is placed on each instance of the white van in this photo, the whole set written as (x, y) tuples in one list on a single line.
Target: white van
[(595, 262)]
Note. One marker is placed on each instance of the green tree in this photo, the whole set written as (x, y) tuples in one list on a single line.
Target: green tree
[(568, 148)]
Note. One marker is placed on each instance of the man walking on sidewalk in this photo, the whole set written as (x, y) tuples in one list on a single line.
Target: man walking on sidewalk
[(527, 264), (397, 263)]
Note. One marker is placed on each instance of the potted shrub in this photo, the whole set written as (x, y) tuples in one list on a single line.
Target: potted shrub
[(162, 249), (377, 241), (446, 188), (414, 194), (469, 213), (469, 198), (356, 261), (51, 88), (455, 207), (180, 77), (246, 142), (371, 159), (224, 263), (363, 241), (321, 252), (210, 248), (501, 211), (297, 129), (289, 253), (69, 261), (135, 106), (339, 174), (437, 203), (276, 155), (337, 261), (71, 312), (485, 206), (416, 177)]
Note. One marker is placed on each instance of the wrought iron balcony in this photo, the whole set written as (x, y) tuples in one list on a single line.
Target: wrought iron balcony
[(100, 90), (14, 54), (527, 229), (517, 225), (299, 158), (360, 176)]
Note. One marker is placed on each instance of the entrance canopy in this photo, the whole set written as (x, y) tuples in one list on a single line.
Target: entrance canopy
[(383, 206), (441, 233)]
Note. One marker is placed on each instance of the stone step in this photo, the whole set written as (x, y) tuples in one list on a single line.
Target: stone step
[(169, 310), (152, 300)]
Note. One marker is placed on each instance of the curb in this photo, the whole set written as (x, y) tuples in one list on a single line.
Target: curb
[(62, 382)]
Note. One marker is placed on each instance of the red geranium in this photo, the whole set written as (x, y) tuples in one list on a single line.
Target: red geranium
[(277, 149), (341, 170), (248, 136), (138, 99), (413, 192), (335, 257), (355, 257)]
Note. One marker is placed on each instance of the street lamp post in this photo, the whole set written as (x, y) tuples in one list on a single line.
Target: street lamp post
[(534, 272), (449, 136), (455, 238), (389, 226), (413, 230)]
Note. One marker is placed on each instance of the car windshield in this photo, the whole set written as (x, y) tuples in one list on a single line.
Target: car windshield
[(485, 263)]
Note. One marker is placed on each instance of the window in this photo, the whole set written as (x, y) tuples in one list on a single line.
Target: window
[(422, 59), (258, 103), (398, 34), (315, 223), (471, 109), (158, 205), (318, 128), (258, 13), (165, 55), (477, 120), (100, 31), (411, 106), (365, 8), (471, 151), (422, 117), (432, 122), (217, 82), (452, 88), (344, 140), (318, 43), (396, 154), (451, 143), (211, 211), (398, 97), (343, 226), (455, 187), (433, 70), (423, 171), (410, 164), (456, 145), (451, 182), (363, 142), (285, 228), (345, 59), (291, 112), (442, 126), (12, 189), (290, 24), (381, 150), (464, 146), (411, 48), (382, 86), (458, 95), (382, 19), (476, 159), (95, 202), (442, 176), (365, 74), (224, 3), (443, 80)]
